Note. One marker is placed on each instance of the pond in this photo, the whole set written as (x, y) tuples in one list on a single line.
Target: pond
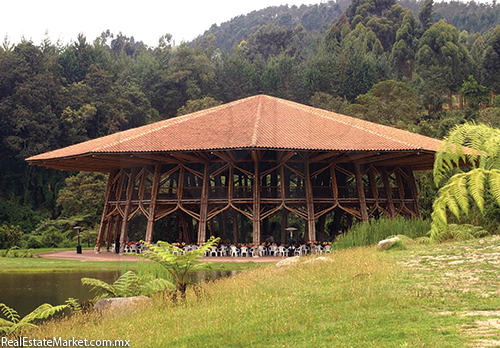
[(26, 291)]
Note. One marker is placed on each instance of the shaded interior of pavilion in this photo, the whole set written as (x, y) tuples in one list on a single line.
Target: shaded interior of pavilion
[(299, 201)]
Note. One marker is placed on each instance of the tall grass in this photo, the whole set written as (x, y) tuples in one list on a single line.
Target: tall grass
[(351, 301), (372, 232)]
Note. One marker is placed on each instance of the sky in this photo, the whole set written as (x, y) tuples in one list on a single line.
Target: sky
[(145, 20)]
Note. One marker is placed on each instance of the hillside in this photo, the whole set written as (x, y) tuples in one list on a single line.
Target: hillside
[(470, 16)]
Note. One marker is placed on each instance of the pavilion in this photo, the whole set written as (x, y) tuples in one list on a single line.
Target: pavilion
[(257, 157)]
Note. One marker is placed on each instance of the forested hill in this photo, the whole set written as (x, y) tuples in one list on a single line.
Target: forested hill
[(373, 59), (470, 16)]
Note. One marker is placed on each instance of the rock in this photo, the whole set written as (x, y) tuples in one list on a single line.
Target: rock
[(387, 243), (320, 259), (121, 303), (288, 261)]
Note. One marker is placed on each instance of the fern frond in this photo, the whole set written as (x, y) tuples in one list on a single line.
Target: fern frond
[(495, 184), (127, 285), (73, 304), (102, 288), (43, 312), (9, 313), (154, 286), (476, 180), (460, 193)]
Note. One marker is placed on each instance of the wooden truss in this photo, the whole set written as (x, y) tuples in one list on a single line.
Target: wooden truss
[(258, 184)]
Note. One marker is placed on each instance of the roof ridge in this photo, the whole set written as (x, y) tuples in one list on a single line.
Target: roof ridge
[(170, 122), (325, 114)]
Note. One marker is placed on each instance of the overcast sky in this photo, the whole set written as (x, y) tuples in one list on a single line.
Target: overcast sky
[(146, 20)]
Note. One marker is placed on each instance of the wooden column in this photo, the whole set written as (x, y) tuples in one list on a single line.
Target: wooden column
[(388, 192), (284, 222), (413, 188), (256, 201), (202, 224), (102, 226), (235, 227), (152, 204), (361, 192), (311, 226), (109, 232), (125, 223), (321, 227)]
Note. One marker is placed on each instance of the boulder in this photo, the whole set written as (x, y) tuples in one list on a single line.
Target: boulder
[(121, 303), (387, 243), (288, 261), (320, 259)]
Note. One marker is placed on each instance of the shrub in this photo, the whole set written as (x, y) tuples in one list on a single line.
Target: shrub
[(9, 236), (34, 242)]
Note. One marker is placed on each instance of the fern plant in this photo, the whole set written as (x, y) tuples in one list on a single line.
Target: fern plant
[(177, 263), (127, 285), (14, 325), (478, 147)]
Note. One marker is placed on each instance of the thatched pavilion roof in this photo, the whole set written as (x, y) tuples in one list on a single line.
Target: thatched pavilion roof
[(258, 122)]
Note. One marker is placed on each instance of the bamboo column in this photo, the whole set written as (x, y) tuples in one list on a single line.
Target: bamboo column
[(152, 204), (125, 223), (202, 224), (256, 202), (109, 232), (414, 191), (311, 226), (388, 192), (102, 226), (284, 222), (361, 192), (235, 226)]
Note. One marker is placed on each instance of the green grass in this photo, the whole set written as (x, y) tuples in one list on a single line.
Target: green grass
[(376, 230), (31, 265), (419, 297), (37, 264)]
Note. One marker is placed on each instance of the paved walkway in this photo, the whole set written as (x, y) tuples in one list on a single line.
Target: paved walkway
[(89, 255)]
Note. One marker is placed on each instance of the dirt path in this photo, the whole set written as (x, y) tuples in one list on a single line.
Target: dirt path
[(89, 255)]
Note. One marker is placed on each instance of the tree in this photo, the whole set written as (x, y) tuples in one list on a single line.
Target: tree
[(328, 102), (474, 93), (491, 62), (403, 50), (425, 15), (388, 102), (177, 263), (197, 105), (461, 188), (442, 61)]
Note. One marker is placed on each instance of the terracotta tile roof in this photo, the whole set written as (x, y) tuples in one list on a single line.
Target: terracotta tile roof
[(260, 121)]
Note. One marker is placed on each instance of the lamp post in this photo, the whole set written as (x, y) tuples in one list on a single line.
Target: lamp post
[(78, 231)]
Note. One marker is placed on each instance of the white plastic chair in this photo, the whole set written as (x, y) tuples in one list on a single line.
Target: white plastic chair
[(298, 251), (234, 251), (273, 249), (319, 249), (213, 251), (262, 250), (223, 250), (328, 249), (282, 251), (244, 250)]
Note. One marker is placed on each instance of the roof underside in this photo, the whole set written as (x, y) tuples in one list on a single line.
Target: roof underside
[(258, 122)]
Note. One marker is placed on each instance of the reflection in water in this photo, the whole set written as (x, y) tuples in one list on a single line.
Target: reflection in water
[(26, 291)]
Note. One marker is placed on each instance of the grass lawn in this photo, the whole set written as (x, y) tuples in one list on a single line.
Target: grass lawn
[(37, 264), (425, 296)]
